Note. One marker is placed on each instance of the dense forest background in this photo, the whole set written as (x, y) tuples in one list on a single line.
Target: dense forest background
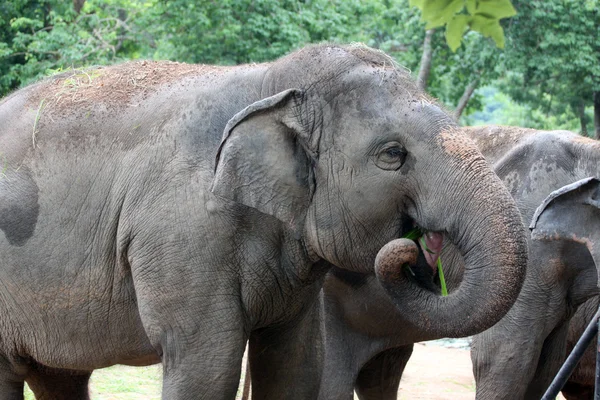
[(547, 76)]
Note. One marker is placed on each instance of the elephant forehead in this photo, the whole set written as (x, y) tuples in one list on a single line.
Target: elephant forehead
[(367, 116)]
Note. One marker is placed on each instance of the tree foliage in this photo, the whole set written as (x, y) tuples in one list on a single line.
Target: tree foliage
[(38, 37), (457, 16), (550, 62)]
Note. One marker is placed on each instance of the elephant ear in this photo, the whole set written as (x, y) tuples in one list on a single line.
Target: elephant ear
[(584, 191), (265, 160)]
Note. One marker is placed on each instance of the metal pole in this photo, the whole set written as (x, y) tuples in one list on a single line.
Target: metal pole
[(571, 362), (597, 386)]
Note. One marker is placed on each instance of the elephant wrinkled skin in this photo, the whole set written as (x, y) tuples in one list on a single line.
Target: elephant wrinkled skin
[(368, 342), (164, 212)]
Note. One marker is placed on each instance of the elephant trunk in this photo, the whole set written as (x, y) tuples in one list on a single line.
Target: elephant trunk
[(485, 226)]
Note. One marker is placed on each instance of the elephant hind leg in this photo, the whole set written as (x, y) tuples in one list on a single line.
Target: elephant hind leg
[(58, 385), (380, 377)]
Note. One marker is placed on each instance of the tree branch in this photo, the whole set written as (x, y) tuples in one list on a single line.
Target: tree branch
[(425, 66), (466, 96), (597, 114)]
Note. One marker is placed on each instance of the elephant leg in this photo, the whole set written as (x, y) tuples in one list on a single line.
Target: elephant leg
[(205, 364), (504, 362), (195, 324), (286, 360), (340, 367), (552, 356), (59, 386), (202, 354), (12, 383), (379, 378)]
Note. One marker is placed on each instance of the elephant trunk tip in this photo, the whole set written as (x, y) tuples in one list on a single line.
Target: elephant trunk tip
[(393, 256)]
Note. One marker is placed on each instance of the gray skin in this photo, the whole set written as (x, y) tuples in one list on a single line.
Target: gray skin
[(573, 213), (581, 383), (368, 342), (159, 212)]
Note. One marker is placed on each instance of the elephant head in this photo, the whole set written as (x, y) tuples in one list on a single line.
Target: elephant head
[(349, 154), (571, 213)]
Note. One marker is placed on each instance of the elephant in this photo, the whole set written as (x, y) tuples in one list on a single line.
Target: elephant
[(369, 340), (581, 384), (572, 213), (158, 212)]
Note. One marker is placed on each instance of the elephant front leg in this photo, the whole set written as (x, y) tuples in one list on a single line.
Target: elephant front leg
[(203, 366), (200, 336), (379, 378), (551, 359), (505, 361), (286, 360)]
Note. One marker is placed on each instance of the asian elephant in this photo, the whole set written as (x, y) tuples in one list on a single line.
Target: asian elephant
[(369, 341), (164, 212), (572, 213)]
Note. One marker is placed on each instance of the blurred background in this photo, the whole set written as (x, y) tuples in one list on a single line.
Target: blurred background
[(546, 76)]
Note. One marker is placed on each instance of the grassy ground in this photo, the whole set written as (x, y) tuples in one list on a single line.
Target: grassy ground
[(124, 383)]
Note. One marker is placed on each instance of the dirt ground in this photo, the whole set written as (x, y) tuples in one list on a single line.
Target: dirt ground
[(438, 373), (433, 373)]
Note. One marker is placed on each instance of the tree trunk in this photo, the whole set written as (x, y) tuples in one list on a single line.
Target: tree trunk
[(78, 5), (597, 114), (464, 99), (122, 16), (584, 131), (425, 66)]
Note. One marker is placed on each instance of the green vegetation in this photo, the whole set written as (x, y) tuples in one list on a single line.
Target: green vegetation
[(547, 75), (482, 16), (417, 234)]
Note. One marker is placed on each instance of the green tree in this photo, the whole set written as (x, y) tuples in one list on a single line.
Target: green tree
[(37, 37), (552, 57), (242, 31)]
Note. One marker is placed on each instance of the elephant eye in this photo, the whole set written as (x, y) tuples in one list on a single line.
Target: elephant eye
[(391, 157)]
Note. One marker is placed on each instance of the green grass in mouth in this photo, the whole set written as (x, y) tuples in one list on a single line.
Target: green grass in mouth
[(417, 234)]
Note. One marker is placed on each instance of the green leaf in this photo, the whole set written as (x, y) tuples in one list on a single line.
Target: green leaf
[(471, 6), (497, 9), (495, 31), (480, 22), (413, 234), (440, 16), (455, 29), (433, 8), (442, 279)]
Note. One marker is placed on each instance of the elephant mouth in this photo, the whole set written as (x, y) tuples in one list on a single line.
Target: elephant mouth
[(430, 245)]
